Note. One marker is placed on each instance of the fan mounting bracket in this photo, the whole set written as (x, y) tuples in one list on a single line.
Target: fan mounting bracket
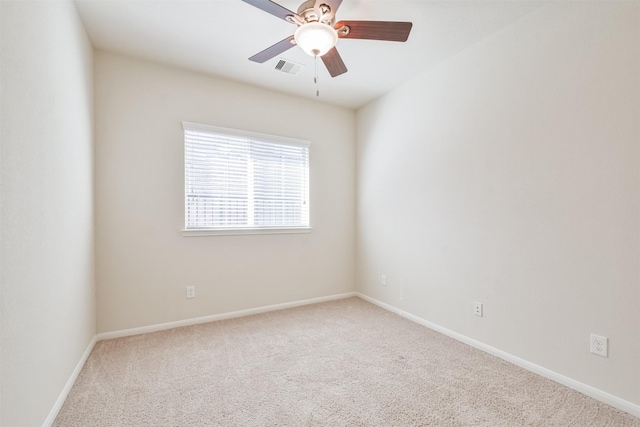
[(343, 31), (295, 19)]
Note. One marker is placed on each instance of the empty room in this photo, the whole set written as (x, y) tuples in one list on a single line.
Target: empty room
[(319, 213)]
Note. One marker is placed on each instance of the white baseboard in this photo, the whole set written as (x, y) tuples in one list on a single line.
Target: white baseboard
[(67, 388), (222, 316), (597, 394)]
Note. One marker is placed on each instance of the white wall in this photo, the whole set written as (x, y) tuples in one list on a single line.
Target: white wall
[(46, 173), (509, 175), (143, 263)]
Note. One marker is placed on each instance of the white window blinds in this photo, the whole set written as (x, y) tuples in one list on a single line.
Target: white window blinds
[(242, 180)]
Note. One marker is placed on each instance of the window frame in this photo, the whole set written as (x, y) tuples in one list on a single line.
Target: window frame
[(274, 139)]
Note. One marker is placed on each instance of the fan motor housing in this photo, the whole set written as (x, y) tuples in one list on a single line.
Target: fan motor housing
[(308, 12)]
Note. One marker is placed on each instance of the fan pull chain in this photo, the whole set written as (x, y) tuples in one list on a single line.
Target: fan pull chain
[(315, 75)]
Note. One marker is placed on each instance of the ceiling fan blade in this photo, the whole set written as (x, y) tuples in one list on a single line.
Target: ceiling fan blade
[(333, 4), (274, 50), (375, 30), (270, 7), (333, 62)]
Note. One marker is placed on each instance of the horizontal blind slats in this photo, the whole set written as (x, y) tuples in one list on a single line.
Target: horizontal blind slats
[(231, 181)]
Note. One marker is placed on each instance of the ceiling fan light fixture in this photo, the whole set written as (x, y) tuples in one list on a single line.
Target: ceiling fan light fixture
[(316, 38)]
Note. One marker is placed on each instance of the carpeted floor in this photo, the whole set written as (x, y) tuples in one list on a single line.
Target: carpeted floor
[(341, 363)]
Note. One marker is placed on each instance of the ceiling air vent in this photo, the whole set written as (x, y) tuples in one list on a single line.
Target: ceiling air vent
[(288, 67)]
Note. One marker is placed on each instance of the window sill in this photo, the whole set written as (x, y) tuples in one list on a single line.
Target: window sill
[(243, 231)]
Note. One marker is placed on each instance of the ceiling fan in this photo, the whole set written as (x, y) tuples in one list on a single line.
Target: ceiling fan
[(318, 33)]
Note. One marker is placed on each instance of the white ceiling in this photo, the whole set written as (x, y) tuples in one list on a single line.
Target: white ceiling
[(217, 37)]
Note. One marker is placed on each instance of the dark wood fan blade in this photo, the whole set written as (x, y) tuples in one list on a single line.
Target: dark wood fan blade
[(333, 4), (333, 62), (270, 7), (274, 50), (375, 30)]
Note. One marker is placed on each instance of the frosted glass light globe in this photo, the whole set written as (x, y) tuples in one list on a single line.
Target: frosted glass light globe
[(315, 38)]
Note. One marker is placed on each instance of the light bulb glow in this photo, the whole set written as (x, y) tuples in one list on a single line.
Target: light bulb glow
[(315, 38)]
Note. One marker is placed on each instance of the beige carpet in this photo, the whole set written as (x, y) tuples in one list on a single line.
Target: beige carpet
[(342, 363)]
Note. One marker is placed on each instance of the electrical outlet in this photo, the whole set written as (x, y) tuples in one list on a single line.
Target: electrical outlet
[(191, 291), (382, 279), (599, 345), (477, 309)]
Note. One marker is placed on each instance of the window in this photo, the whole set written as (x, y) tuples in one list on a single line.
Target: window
[(238, 181)]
